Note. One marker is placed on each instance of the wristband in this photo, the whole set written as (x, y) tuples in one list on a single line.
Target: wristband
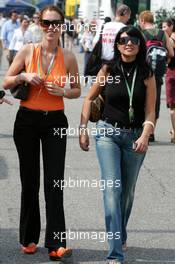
[(82, 126), (149, 122)]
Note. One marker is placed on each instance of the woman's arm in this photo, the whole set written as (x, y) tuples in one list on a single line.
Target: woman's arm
[(172, 39), (92, 94), (14, 76), (148, 125), (169, 46), (73, 74)]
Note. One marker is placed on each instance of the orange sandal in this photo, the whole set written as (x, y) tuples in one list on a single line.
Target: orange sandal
[(59, 253), (30, 249)]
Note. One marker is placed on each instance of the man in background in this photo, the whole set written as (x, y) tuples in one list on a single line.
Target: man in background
[(146, 23), (110, 31), (7, 31), (2, 21)]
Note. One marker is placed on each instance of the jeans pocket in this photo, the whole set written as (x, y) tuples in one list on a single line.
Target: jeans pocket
[(101, 129)]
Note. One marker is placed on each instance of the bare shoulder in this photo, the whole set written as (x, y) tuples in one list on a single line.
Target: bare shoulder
[(103, 71), (26, 49), (150, 81), (24, 53), (173, 36), (69, 59), (69, 55)]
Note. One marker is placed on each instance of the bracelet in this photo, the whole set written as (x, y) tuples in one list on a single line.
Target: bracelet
[(82, 126), (149, 122)]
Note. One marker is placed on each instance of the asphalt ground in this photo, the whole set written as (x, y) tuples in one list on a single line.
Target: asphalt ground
[(151, 229)]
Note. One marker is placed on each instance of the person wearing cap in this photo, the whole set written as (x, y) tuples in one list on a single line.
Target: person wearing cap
[(110, 31)]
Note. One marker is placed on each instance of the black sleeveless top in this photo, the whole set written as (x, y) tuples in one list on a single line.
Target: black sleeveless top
[(172, 62), (117, 98)]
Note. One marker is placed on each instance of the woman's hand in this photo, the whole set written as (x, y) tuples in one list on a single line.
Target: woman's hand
[(84, 139), (142, 144), (4, 100), (32, 78), (54, 89)]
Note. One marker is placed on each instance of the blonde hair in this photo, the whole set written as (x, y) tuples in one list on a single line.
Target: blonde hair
[(147, 16)]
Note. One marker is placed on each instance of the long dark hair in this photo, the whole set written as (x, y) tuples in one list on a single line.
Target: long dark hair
[(170, 22), (143, 67)]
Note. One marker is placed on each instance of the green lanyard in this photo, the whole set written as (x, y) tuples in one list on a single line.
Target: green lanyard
[(50, 65), (130, 93)]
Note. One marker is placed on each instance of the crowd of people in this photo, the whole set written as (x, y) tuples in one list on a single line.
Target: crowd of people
[(131, 109)]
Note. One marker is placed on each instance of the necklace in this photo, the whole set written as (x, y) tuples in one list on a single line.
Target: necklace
[(50, 65), (130, 91), (48, 70), (130, 70)]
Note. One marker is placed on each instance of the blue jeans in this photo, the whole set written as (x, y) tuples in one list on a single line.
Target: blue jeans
[(120, 166)]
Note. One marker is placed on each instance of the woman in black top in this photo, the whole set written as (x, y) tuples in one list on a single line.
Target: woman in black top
[(123, 131)]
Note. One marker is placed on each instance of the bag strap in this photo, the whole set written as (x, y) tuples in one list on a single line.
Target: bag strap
[(31, 56), (160, 35), (147, 35), (98, 45)]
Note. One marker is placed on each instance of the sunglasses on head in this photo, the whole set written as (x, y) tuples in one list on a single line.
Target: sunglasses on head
[(55, 23), (125, 40)]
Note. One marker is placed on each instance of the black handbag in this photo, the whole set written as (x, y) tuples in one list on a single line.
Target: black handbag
[(21, 91), (94, 63), (2, 94)]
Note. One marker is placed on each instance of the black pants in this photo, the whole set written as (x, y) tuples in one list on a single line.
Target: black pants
[(31, 127)]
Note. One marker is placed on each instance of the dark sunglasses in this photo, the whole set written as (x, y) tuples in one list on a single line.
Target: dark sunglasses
[(125, 40), (54, 23)]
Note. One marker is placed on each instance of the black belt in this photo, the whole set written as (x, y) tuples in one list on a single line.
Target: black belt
[(41, 111), (119, 125)]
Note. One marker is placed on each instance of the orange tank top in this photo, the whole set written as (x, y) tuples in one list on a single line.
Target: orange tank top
[(39, 98)]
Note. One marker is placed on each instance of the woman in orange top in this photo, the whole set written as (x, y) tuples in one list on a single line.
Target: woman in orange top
[(41, 117)]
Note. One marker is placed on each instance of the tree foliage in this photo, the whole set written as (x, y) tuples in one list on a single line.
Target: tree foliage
[(162, 14)]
